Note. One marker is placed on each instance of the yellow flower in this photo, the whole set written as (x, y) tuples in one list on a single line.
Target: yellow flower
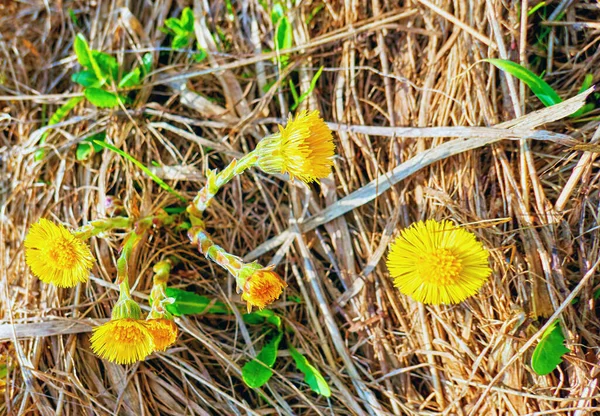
[(262, 288), (304, 149), (56, 256), (163, 331), (438, 263), (123, 341)]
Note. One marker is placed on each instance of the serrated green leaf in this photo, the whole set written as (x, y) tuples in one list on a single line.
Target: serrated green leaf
[(190, 303), (187, 20), (258, 371), (101, 98), (86, 78), (312, 376), (131, 79), (147, 63), (549, 351), (538, 86), (108, 64), (82, 48), (143, 168)]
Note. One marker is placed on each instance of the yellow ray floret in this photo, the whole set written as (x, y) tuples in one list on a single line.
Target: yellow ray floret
[(438, 263), (163, 331), (303, 148), (122, 341), (262, 288), (56, 256)]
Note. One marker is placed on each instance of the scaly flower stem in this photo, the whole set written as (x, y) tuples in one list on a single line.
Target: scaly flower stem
[(95, 227), (162, 270), (233, 264), (132, 239), (214, 181)]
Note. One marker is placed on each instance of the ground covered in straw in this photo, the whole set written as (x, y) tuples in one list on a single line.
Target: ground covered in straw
[(533, 203)]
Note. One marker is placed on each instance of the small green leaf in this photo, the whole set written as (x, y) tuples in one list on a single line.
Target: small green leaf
[(82, 51), (305, 94), (549, 351), (175, 25), (200, 56), (277, 13), (258, 371), (131, 79), (73, 17), (190, 303), (86, 78), (538, 86), (108, 64), (180, 41), (283, 38), (147, 63), (101, 98), (187, 20), (87, 147), (259, 317), (143, 168), (56, 118), (312, 376)]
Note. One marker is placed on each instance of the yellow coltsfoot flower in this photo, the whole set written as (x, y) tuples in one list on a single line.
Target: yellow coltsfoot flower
[(56, 256), (163, 331), (123, 341), (262, 288), (438, 262), (303, 149)]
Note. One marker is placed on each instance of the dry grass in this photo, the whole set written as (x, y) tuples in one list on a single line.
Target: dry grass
[(414, 65)]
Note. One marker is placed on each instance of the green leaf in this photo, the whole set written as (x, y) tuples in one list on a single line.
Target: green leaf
[(277, 13), (200, 56), (175, 25), (144, 169), (101, 98), (86, 78), (305, 94), (549, 351), (180, 41), (108, 64), (187, 20), (283, 38), (538, 86), (147, 63), (190, 303), (87, 147), (312, 376), (258, 371), (56, 118), (73, 17), (82, 51), (131, 79), (259, 317)]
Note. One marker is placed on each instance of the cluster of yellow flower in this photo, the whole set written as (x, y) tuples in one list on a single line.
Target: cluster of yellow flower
[(433, 262)]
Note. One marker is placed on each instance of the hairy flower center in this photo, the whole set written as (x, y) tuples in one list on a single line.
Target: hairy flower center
[(441, 267), (128, 335), (62, 253)]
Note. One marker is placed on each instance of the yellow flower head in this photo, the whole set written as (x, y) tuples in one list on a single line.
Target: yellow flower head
[(123, 341), (438, 263), (304, 149), (56, 256), (163, 331), (262, 288)]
